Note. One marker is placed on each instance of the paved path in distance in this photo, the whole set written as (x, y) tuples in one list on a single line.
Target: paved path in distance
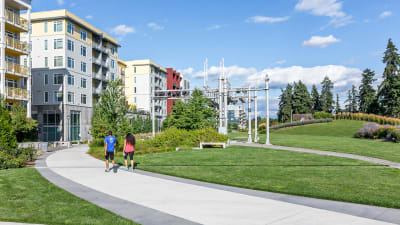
[(149, 198)]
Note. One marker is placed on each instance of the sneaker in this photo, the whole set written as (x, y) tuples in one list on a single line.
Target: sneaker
[(107, 170), (131, 170), (115, 169)]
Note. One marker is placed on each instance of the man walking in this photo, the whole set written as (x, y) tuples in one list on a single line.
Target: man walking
[(109, 147)]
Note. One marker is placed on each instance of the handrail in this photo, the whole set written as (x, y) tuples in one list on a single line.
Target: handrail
[(16, 68), (15, 43), (16, 19), (17, 92)]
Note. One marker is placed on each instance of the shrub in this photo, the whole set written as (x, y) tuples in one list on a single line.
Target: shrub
[(368, 117), (374, 131), (322, 115), (16, 158), (300, 123)]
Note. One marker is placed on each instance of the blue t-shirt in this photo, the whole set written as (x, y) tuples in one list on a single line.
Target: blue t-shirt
[(110, 140)]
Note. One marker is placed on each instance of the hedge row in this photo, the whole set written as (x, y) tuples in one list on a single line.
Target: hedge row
[(16, 158), (368, 117), (375, 131), (261, 128)]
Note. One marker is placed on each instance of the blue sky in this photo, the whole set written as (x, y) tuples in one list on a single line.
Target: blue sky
[(289, 39)]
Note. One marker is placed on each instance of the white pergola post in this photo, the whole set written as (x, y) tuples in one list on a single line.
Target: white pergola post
[(249, 115), (267, 108)]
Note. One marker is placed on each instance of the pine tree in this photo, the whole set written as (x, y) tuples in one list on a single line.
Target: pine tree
[(285, 104), (348, 107), (337, 108), (327, 95), (315, 99), (389, 90), (301, 101), (367, 92)]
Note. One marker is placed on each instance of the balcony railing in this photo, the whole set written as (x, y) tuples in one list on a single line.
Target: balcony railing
[(17, 44), (97, 60), (96, 45), (17, 93), (17, 68), (97, 91), (16, 19), (97, 75)]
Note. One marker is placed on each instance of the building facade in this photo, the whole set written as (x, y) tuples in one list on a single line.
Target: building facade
[(15, 74), (173, 83), (72, 61), (236, 114), (141, 79), (121, 73)]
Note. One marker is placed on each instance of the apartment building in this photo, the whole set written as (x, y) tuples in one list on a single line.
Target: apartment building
[(72, 61), (236, 114), (141, 79), (173, 83), (121, 73), (15, 74)]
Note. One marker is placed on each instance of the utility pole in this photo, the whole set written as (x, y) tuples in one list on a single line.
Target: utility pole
[(249, 115), (267, 108), (255, 118)]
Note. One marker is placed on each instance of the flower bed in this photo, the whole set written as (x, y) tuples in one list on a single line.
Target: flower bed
[(368, 117), (375, 131)]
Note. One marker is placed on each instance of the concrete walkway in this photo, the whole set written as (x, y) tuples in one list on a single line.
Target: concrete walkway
[(158, 199), (319, 152)]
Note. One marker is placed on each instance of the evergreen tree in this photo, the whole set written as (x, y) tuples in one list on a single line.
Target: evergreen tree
[(389, 90), (315, 99), (285, 104), (337, 108), (348, 101), (301, 101), (367, 92), (327, 95), (354, 99)]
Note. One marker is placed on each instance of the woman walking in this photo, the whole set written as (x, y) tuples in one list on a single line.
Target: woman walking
[(129, 149)]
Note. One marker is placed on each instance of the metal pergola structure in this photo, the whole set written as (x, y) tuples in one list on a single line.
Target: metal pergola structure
[(221, 97)]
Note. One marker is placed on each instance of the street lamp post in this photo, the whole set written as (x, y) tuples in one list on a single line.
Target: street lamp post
[(267, 113), (249, 115)]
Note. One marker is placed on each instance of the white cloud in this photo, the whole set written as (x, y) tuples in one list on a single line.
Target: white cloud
[(187, 71), (230, 71), (60, 2), (321, 42), (329, 8), (122, 30), (215, 27), (266, 19), (385, 14), (280, 62), (155, 26), (89, 17)]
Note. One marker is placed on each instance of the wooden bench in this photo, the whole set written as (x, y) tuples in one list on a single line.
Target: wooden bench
[(212, 144)]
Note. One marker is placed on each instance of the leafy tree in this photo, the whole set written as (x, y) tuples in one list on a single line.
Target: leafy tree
[(110, 112), (354, 99), (8, 140), (367, 92), (389, 90), (285, 104), (327, 95), (301, 101), (315, 99), (140, 125), (24, 128), (197, 113), (337, 108)]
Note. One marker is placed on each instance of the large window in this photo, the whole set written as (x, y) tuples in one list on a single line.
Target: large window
[(112, 48), (51, 126), (58, 61), (71, 97), (83, 99), (83, 67), (75, 125), (58, 26), (58, 43), (46, 44), (70, 28), (71, 45), (83, 50), (58, 96), (71, 63), (71, 79), (46, 79), (46, 97), (83, 35), (58, 78), (83, 82)]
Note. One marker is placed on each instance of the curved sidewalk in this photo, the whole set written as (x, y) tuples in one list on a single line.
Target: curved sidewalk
[(149, 198), (320, 152)]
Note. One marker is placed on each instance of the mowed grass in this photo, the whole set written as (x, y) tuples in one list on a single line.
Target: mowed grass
[(25, 196), (295, 173), (336, 136)]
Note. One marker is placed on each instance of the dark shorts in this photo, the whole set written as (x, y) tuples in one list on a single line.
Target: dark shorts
[(109, 155), (130, 155)]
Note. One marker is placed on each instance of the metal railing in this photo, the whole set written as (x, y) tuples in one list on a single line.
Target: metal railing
[(97, 60), (96, 45), (17, 93), (97, 91), (97, 75), (17, 68), (17, 44), (16, 19)]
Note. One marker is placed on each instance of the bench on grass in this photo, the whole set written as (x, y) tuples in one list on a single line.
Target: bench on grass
[(222, 144)]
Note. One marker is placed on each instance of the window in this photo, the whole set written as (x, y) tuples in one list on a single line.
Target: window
[(83, 99), (58, 96), (134, 69), (112, 76), (46, 27), (135, 99), (46, 79), (83, 67), (46, 44), (58, 78), (46, 97), (71, 45), (83, 35), (70, 28), (58, 26), (112, 64), (71, 63), (134, 90), (71, 97), (58, 43), (58, 61), (134, 80), (46, 62), (83, 50), (152, 70), (112, 48), (71, 79), (83, 82), (25, 62)]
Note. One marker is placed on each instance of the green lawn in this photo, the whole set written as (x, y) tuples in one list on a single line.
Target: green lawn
[(294, 173), (25, 196), (336, 136)]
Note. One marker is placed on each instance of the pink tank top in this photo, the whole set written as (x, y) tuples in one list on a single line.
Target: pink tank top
[(129, 147)]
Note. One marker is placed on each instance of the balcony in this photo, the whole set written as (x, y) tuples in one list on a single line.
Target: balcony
[(17, 93), (104, 64), (17, 69), (97, 91), (96, 46), (97, 60), (97, 75), (17, 46), (16, 20)]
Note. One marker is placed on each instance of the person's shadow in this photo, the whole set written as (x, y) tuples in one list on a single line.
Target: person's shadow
[(135, 165)]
